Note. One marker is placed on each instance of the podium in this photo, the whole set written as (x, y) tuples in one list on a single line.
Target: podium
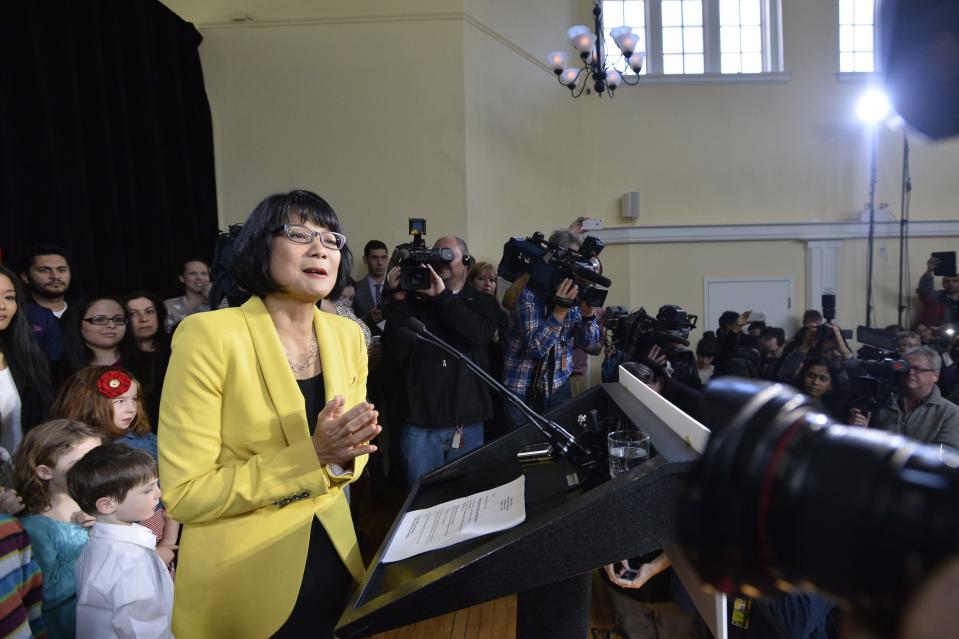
[(576, 521)]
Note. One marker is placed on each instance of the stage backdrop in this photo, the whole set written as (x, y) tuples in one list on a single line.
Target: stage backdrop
[(106, 144)]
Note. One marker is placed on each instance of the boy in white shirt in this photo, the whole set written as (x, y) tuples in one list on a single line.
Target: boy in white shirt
[(123, 587)]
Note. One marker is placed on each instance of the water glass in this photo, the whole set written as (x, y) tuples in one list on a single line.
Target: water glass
[(627, 449)]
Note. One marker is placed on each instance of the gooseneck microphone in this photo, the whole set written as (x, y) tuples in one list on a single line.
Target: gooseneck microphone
[(561, 438)]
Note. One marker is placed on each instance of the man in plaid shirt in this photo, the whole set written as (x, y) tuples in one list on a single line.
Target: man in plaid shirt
[(547, 328)]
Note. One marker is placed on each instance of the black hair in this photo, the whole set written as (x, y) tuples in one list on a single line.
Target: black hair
[(808, 363), (38, 249), (28, 363), (76, 354), (372, 245), (728, 318), (708, 346), (161, 338), (812, 315), (193, 259), (251, 253), (774, 331), (111, 470), (756, 325)]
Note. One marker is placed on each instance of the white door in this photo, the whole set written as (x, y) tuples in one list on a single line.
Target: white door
[(770, 295)]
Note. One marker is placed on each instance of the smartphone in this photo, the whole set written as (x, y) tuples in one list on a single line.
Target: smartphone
[(628, 575), (757, 316), (947, 263), (535, 453), (592, 224)]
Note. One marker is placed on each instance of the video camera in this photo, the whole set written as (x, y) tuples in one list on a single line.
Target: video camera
[(881, 368), (413, 257), (549, 264), (632, 334)]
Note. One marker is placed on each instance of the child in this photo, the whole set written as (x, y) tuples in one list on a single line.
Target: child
[(107, 398), (123, 587), (21, 584), (53, 518)]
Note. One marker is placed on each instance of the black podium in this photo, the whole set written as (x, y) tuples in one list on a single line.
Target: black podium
[(576, 521)]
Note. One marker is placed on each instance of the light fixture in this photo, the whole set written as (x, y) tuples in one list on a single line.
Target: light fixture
[(597, 68), (873, 107)]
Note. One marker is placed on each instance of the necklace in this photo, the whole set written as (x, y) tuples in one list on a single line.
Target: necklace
[(310, 360)]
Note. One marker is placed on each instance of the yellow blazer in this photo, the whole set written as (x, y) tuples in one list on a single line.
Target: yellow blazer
[(239, 471)]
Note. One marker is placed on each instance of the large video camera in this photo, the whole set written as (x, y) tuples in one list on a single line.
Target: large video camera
[(633, 333), (413, 257), (880, 368), (785, 498), (549, 264)]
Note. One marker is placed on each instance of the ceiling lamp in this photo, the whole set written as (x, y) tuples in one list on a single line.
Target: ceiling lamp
[(597, 68)]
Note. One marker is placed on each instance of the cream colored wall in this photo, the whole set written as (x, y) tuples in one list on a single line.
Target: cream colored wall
[(451, 115)]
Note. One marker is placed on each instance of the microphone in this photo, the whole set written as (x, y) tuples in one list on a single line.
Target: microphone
[(561, 438)]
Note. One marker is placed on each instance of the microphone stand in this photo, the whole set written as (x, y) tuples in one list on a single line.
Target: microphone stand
[(904, 221), (566, 442)]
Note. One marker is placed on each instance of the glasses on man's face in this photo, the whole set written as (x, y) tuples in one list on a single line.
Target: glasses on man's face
[(918, 369), (300, 234), (103, 320)]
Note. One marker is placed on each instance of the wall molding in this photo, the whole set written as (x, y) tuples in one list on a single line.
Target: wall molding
[(805, 231)]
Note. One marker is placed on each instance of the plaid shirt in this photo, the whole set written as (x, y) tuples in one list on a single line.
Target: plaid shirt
[(533, 332)]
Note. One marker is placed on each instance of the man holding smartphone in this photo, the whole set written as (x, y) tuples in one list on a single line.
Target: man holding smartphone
[(938, 307)]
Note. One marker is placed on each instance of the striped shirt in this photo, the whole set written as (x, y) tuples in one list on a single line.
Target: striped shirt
[(533, 332), (21, 584)]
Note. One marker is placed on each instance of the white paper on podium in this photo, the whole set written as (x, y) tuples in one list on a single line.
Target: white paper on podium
[(454, 521)]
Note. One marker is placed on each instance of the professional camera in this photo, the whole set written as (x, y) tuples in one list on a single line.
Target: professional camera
[(632, 334), (880, 369), (548, 265), (783, 497), (224, 286), (413, 257)]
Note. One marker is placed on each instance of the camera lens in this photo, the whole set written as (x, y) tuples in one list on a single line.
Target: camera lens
[(783, 497)]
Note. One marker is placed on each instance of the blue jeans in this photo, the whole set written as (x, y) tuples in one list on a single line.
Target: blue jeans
[(515, 419), (426, 449)]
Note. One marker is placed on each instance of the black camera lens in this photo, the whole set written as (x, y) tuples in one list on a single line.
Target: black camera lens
[(785, 498)]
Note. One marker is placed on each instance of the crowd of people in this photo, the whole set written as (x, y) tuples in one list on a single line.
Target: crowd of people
[(267, 411)]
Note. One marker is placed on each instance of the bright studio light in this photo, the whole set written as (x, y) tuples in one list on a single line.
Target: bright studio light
[(873, 106)]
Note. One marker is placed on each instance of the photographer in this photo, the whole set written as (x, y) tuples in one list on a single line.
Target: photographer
[(447, 404), (938, 307), (543, 333), (920, 411)]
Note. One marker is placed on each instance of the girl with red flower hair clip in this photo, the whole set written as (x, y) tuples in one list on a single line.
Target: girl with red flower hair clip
[(107, 398)]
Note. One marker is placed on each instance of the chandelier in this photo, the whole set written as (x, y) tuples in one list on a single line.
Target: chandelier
[(597, 68)]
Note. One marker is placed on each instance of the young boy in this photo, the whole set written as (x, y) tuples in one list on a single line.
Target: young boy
[(123, 587)]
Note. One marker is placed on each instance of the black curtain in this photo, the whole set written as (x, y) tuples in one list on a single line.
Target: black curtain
[(106, 143)]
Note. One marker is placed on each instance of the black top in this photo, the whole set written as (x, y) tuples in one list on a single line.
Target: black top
[(314, 395)]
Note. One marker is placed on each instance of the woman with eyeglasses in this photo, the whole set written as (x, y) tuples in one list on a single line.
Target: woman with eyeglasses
[(148, 362), (96, 335), (25, 389), (263, 422)]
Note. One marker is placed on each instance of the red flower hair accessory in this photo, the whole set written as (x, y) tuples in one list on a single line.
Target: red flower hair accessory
[(113, 383)]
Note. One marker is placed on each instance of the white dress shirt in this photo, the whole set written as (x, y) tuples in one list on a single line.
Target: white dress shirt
[(123, 587), (11, 431)]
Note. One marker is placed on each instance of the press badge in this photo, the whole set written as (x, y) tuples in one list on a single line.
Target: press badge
[(740, 616), (458, 438)]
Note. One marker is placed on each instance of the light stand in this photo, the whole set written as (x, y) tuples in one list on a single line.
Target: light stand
[(874, 153), (904, 222)]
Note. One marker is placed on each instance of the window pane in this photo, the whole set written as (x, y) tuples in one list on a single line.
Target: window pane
[(752, 39), (693, 39), (731, 63), (672, 13), (846, 37), (729, 39), (863, 38), (846, 13), (749, 10), (672, 40), (693, 12), (672, 63), (612, 14), (864, 12), (864, 62), (728, 12), (694, 63), (635, 13), (752, 63), (847, 62)]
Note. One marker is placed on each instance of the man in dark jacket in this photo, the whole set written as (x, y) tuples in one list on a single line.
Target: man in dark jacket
[(447, 403)]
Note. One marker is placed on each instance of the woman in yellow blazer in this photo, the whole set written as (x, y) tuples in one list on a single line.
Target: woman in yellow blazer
[(263, 421)]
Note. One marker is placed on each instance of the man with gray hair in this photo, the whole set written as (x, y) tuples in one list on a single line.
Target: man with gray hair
[(920, 411)]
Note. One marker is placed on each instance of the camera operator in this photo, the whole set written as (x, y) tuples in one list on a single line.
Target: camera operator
[(543, 333), (938, 307), (920, 411), (447, 404)]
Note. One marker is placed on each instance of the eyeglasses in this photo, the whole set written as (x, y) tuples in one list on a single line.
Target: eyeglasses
[(917, 370), (103, 320), (300, 234)]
